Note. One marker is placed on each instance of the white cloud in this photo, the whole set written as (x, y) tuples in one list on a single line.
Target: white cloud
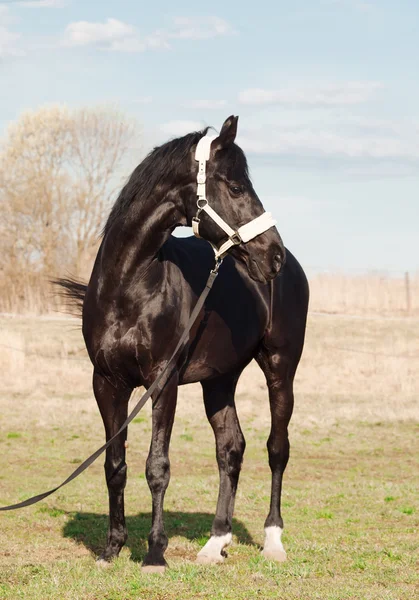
[(199, 28), (158, 40), (4, 15), (8, 45), (178, 128), (352, 92), (122, 37), (311, 142), (8, 39), (128, 44), (358, 145), (108, 34)]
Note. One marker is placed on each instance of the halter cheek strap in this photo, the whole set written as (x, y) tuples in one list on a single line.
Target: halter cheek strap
[(243, 234)]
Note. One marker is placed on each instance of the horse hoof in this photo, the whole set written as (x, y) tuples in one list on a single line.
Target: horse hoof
[(153, 569), (205, 559), (277, 555), (103, 564)]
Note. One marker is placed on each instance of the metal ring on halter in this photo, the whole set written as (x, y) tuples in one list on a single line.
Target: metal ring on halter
[(201, 202)]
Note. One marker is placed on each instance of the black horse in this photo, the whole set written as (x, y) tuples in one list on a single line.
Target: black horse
[(143, 287)]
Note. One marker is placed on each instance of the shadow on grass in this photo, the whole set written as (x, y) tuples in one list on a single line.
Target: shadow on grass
[(90, 529)]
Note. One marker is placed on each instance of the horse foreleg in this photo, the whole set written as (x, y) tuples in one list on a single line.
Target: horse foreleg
[(230, 445), (113, 406), (279, 377), (158, 472)]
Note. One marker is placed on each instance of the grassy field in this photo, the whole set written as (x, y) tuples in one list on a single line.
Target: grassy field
[(350, 500), (364, 293), (354, 293)]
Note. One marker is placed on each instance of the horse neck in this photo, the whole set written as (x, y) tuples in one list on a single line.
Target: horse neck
[(133, 241)]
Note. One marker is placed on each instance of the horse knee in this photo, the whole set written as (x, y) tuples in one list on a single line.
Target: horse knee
[(116, 475), (157, 472), (278, 451), (230, 458)]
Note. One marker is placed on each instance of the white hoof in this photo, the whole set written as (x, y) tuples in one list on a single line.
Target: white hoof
[(203, 559), (278, 555), (213, 551), (273, 548), (101, 563)]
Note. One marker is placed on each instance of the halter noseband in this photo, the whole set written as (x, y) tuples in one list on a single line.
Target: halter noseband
[(243, 234)]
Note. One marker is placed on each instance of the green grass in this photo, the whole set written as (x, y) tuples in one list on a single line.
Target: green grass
[(350, 500), (344, 537)]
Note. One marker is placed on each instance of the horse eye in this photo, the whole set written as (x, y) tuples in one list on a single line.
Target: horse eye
[(236, 190)]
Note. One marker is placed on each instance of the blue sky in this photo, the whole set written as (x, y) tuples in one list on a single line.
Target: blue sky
[(327, 92)]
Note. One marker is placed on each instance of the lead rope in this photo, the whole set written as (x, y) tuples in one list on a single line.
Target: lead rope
[(243, 234), (154, 386), (271, 304)]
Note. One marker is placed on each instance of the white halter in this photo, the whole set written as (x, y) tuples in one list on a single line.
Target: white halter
[(245, 233)]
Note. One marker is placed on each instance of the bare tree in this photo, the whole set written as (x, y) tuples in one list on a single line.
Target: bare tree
[(58, 172)]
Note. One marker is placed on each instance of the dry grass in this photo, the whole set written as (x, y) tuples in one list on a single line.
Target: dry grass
[(372, 363), (364, 294), (335, 293), (350, 494), (27, 295)]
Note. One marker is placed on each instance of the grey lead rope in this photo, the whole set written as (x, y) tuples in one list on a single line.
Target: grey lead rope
[(139, 405)]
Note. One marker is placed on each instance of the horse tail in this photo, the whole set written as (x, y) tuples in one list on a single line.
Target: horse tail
[(73, 292)]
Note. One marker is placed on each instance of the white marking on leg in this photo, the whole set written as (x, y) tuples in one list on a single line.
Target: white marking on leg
[(211, 552), (273, 548), (103, 564)]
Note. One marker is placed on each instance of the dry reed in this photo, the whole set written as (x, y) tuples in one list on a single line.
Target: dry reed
[(364, 294), (352, 369), (336, 293)]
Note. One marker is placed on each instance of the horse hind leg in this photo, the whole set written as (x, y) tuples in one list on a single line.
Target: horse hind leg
[(158, 472), (279, 377), (230, 446), (113, 406)]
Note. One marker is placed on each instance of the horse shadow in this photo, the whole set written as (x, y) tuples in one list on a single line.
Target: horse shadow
[(90, 530)]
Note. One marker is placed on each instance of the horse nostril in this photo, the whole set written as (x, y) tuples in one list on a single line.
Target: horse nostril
[(277, 263)]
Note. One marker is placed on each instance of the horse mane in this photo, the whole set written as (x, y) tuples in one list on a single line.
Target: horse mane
[(160, 163)]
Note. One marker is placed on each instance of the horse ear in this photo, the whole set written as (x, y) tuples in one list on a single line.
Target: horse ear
[(227, 134)]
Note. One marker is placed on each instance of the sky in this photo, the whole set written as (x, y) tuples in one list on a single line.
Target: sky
[(327, 92)]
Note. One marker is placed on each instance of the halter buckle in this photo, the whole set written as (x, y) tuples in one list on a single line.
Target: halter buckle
[(201, 202), (195, 224), (236, 239)]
